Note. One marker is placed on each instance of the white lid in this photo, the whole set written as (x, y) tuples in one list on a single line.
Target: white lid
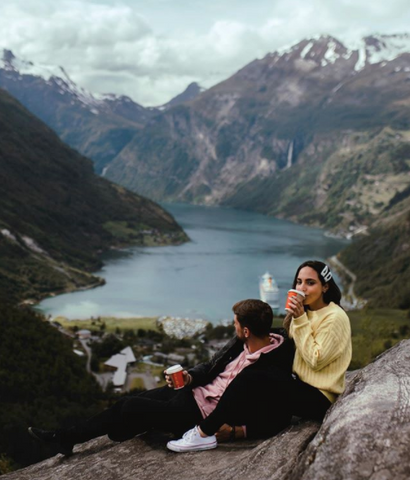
[(173, 369)]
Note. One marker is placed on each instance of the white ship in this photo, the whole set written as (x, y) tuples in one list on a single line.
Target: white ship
[(269, 291)]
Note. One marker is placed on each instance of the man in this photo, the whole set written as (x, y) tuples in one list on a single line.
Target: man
[(223, 395)]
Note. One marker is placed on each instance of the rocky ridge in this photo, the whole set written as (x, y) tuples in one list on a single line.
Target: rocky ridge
[(365, 436), (316, 133), (97, 125)]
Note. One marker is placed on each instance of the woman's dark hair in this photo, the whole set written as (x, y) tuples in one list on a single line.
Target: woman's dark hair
[(254, 314), (333, 293)]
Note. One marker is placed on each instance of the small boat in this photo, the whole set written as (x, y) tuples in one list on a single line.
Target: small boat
[(269, 291)]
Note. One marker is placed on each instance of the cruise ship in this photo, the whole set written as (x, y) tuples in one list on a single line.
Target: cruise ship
[(269, 291)]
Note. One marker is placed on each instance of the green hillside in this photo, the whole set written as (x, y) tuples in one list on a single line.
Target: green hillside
[(57, 216), (42, 382), (381, 259)]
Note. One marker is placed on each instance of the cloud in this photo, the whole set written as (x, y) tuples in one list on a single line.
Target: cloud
[(107, 46)]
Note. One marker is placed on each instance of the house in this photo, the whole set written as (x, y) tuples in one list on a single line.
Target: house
[(129, 354), (83, 334), (119, 363), (175, 358)]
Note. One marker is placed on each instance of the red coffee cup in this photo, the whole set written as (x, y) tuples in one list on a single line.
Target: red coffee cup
[(175, 372), (292, 293)]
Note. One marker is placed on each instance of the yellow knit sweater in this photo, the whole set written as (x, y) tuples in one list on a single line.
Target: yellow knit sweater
[(323, 348)]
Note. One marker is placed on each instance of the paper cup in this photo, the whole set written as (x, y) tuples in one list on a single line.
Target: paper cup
[(175, 372), (292, 293)]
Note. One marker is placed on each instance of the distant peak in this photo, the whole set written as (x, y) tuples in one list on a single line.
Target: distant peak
[(381, 48), (8, 56), (191, 92), (326, 49)]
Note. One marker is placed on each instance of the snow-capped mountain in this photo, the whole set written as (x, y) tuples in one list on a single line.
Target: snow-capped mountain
[(298, 133), (56, 77), (96, 125), (327, 50)]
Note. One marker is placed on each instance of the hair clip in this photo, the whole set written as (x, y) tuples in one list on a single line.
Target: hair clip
[(326, 274)]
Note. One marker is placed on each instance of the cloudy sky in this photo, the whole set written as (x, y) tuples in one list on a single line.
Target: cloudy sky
[(152, 49)]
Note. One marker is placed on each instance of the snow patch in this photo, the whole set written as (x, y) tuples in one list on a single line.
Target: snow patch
[(9, 235), (331, 56), (50, 74), (32, 245), (361, 60), (387, 48), (305, 51)]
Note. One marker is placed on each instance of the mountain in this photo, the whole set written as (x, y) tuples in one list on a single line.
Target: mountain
[(56, 215), (381, 259), (192, 91), (97, 126), (317, 133)]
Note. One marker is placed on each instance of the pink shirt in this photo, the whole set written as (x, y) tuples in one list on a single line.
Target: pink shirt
[(207, 397)]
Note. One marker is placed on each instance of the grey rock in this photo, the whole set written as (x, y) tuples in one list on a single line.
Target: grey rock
[(365, 435)]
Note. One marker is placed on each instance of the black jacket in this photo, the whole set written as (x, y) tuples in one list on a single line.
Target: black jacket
[(257, 397), (279, 358)]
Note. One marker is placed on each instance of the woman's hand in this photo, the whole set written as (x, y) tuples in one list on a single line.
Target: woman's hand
[(296, 306), (187, 379), (224, 434)]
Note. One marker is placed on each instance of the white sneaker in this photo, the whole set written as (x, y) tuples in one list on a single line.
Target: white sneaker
[(192, 441)]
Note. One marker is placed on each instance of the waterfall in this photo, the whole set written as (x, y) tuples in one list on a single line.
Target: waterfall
[(290, 155)]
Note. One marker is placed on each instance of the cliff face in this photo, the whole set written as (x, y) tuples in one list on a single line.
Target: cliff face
[(365, 435), (317, 133)]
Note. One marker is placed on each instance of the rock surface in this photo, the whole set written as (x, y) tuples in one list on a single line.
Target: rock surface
[(365, 435)]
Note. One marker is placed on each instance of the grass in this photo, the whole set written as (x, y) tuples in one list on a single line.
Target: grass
[(137, 383), (152, 369), (111, 323), (374, 331)]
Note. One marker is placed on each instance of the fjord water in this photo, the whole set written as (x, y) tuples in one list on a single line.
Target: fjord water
[(228, 252)]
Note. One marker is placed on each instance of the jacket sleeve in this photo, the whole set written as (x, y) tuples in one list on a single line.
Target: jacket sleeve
[(257, 399), (204, 373), (320, 348)]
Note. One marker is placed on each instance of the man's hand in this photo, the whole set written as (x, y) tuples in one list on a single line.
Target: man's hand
[(224, 434), (187, 379)]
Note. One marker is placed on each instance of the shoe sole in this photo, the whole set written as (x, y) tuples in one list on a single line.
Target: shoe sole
[(65, 451), (179, 449)]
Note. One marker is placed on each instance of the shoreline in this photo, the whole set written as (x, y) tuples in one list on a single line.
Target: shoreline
[(101, 281), (350, 300), (96, 280)]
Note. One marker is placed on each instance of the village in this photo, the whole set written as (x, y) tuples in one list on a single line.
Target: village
[(135, 359)]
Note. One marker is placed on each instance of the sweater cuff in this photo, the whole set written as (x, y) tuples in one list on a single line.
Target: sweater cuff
[(299, 321)]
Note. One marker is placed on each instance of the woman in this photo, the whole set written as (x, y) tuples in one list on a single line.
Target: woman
[(320, 329)]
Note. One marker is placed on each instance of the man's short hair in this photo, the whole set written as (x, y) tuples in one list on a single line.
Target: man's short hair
[(254, 314)]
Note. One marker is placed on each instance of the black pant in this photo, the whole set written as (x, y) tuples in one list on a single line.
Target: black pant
[(306, 401), (256, 399), (264, 402), (162, 408)]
